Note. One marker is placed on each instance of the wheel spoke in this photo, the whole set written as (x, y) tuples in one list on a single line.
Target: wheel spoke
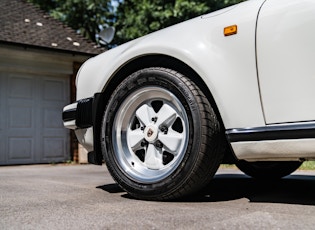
[(135, 138), (153, 158), (171, 141), (166, 116), (149, 133), (144, 114)]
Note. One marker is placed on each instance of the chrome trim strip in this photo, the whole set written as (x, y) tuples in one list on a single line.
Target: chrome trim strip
[(69, 115), (274, 132)]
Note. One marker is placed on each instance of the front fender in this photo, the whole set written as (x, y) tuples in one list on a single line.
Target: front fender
[(227, 65)]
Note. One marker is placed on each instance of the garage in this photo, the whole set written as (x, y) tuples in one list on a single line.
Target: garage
[(35, 85), (31, 129), (39, 59)]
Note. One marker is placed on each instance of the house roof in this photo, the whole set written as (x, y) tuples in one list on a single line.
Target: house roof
[(24, 24)]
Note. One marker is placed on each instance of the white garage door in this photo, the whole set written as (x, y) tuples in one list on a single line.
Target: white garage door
[(31, 129)]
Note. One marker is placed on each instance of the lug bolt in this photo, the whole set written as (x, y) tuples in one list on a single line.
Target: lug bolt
[(144, 143), (164, 129), (158, 144), (154, 119)]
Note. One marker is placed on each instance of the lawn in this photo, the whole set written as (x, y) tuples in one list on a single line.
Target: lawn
[(307, 165)]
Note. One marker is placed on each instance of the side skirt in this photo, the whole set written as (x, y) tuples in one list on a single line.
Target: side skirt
[(274, 143)]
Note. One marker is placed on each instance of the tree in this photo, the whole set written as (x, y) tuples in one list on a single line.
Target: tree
[(132, 18), (135, 18), (88, 17)]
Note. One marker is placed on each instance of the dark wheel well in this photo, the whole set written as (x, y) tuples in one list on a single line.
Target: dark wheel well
[(268, 169), (141, 63)]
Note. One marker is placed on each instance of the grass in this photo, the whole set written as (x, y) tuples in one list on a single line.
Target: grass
[(228, 166), (307, 165)]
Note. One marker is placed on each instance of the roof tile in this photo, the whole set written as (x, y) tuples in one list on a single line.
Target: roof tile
[(24, 23)]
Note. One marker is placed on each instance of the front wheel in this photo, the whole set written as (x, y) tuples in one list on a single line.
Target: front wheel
[(268, 169), (160, 136)]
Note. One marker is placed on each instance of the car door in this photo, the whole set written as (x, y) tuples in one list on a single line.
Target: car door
[(286, 60)]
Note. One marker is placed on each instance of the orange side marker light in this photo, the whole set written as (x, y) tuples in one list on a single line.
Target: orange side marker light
[(230, 30)]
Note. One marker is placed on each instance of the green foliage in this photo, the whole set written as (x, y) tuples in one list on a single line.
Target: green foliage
[(86, 16), (135, 18), (138, 17), (46, 5), (132, 18)]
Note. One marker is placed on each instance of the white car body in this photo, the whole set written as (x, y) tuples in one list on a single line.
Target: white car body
[(261, 78), (282, 93)]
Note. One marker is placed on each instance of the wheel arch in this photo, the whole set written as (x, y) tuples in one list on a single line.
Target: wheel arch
[(138, 64)]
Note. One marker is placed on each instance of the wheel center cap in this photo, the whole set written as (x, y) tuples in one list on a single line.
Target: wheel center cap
[(150, 133)]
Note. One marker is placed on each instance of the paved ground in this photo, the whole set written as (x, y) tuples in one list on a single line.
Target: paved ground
[(85, 197)]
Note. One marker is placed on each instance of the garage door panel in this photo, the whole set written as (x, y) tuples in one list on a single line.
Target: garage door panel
[(54, 90), (20, 117), (3, 93), (21, 149), (21, 87), (53, 119), (31, 126), (54, 147), (55, 93), (2, 150)]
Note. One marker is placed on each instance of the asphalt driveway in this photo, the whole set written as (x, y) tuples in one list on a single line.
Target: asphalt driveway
[(85, 197)]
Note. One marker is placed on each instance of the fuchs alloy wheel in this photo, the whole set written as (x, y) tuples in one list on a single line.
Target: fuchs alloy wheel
[(160, 137)]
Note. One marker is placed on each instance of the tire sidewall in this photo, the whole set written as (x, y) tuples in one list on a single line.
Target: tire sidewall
[(172, 82)]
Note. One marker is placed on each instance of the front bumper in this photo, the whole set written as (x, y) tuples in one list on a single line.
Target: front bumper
[(82, 116), (78, 115)]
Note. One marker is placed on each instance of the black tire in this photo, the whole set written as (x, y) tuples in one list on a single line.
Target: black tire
[(164, 158), (268, 169)]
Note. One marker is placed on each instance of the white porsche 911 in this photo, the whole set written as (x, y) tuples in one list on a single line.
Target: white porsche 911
[(237, 85)]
